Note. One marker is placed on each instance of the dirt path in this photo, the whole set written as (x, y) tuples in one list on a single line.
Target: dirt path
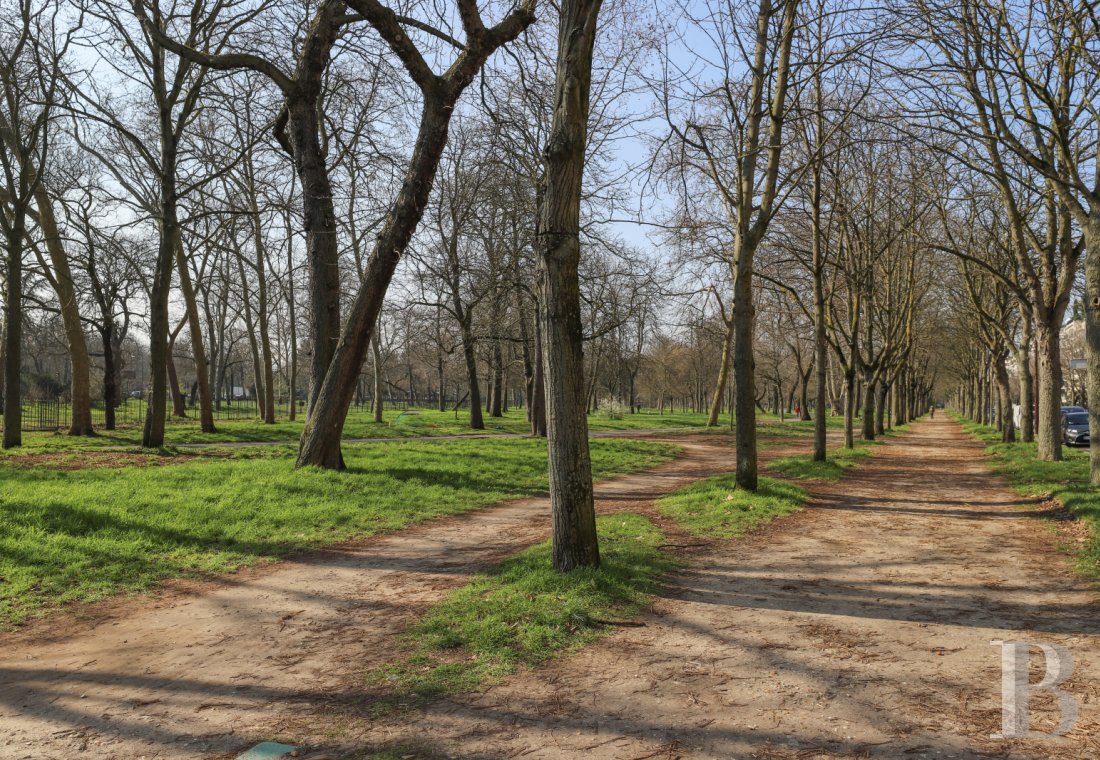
[(858, 628), (194, 675)]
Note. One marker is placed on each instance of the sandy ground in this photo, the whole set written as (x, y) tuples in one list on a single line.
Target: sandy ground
[(860, 627), (198, 674)]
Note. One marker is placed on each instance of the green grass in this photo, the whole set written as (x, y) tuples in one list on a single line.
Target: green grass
[(81, 535), (803, 466), (396, 424), (717, 508), (525, 613), (1067, 482)]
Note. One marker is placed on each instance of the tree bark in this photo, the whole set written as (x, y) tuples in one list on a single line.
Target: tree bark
[(320, 443), (1049, 433), (194, 323), (1004, 398), (575, 543), (62, 282), (1092, 333), (13, 332), (723, 376)]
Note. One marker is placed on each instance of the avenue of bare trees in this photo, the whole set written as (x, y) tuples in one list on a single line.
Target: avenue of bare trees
[(809, 208)]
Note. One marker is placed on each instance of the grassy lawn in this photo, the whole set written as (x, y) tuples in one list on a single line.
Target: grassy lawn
[(1066, 482), (79, 535), (717, 508), (396, 424), (525, 613), (803, 466)]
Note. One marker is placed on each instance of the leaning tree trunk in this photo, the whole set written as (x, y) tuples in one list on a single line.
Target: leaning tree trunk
[(62, 282), (320, 444), (198, 350), (723, 377)]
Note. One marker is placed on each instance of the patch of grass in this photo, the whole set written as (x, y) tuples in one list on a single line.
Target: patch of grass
[(80, 535), (803, 466), (1066, 482), (413, 423), (716, 507), (525, 613)]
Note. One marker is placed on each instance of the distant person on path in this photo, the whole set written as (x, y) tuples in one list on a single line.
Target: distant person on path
[(932, 412)]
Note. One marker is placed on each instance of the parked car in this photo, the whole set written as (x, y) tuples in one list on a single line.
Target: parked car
[(1075, 428), (1072, 409)]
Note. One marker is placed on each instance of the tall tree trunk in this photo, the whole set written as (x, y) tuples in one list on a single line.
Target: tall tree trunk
[(1049, 434), (319, 223), (156, 409), (379, 390), (538, 396), (849, 408), (267, 363), (744, 371), (110, 374), (1004, 398), (477, 422), (869, 386), (558, 254), (1092, 333), (882, 391), (13, 332), (497, 408)]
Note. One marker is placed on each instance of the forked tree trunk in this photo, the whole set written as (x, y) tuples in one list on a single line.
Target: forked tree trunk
[(320, 443)]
